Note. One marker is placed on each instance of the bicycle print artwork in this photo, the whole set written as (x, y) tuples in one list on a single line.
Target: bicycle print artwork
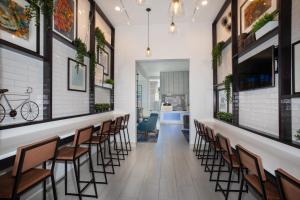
[(29, 109)]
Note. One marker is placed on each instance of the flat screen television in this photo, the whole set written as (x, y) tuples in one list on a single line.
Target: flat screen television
[(258, 71)]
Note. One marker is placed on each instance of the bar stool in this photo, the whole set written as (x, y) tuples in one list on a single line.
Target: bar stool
[(209, 143), (74, 153), (289, 186), (118, 149), (233, 164), (213, 147), (254, 175), (201, 137), (25, 174), (101, 138), (125, 127), (197, 137)]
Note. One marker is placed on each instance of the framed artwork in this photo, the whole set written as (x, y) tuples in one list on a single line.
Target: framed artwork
[(99, 75), (222, 101), (64, 18), (104, 60), (296, 68), (252, 11), (77, 76), (15, 26)]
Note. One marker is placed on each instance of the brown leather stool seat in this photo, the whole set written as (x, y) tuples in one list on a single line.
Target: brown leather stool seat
[(67, 153), (28, 179)]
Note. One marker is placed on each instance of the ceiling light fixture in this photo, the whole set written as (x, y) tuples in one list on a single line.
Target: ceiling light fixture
[(118, 8), (148, 50), (204, 2), (124, 10), (176, 7), (140, 2), (172, 26)]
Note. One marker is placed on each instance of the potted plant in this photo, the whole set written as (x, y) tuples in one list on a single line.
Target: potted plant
[(298, 135), (108, 83), (224, 116), (217, 54), (264, 25)]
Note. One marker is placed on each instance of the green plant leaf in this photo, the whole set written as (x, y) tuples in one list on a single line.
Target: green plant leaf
[(227, 117), (227, 83), (217, 54), (263, 21), (100, 38), (81, 50)]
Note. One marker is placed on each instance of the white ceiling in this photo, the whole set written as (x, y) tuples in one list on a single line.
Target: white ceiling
[(160, 11), (153, 68)]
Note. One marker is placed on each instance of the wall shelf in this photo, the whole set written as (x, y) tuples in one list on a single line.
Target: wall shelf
[(258, 42)]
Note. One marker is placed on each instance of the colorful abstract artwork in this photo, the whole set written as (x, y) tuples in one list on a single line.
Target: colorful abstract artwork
[(13, 19), (64, 18), (253, 10)]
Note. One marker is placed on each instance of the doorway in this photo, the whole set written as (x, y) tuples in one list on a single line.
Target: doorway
[(162, 97)]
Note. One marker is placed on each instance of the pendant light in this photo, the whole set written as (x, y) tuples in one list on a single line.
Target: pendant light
[(172, 26), (140, 2), (176, 7), (148, 50)]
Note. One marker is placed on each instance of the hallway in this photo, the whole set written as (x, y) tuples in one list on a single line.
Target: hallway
[(166, 170)]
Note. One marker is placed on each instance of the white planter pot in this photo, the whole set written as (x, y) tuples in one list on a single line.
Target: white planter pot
[(265, 29), (106, 85)]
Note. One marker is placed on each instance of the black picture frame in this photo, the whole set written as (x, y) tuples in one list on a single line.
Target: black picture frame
[(101, 74), (240, 9), (106, 66), (85, 76), (296, 93), (64, 38), (19, 48)]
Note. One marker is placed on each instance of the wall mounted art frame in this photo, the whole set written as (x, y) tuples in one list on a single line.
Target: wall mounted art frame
[(15, 29), (65, 19), (223, 105), (103, 58), (77, 76), (252, 11), (99, 75), (296, 67)]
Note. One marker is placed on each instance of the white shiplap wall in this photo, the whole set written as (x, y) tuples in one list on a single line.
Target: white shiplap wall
[(65, 102), (18, 74)]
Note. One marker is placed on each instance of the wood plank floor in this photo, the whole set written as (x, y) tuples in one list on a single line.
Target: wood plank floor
[(166, 170)]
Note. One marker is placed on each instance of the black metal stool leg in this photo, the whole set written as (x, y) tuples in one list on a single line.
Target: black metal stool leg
[(77, 180), (128, 137), (53, 187)]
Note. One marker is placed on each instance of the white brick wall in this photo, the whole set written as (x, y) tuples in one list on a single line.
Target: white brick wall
[(259, 109), (65, 102), (102, 95), (18, 74), (295, 116)]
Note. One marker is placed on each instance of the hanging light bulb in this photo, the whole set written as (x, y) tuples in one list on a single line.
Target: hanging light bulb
[(176, 7), (172, 26), (140, 2), (148, 50)]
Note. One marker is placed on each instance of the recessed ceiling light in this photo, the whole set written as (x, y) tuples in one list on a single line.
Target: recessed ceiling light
[(204, 2), (118, 8)]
